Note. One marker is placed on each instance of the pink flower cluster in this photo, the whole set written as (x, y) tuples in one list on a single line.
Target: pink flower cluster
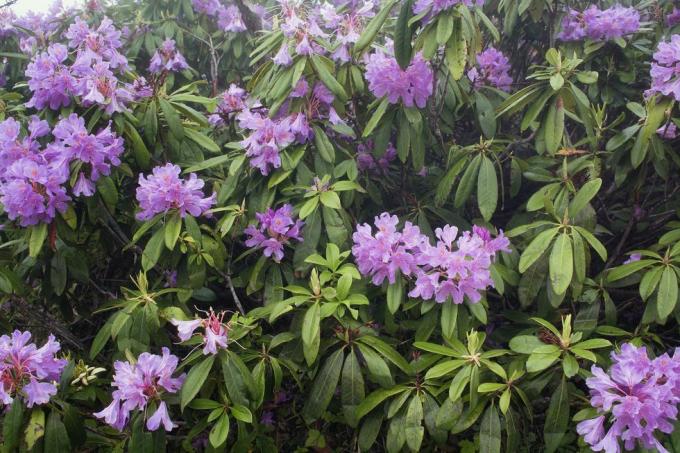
[(434, 7), (215, 334), (413, 86), (33, 180), (665, 69), (163, 190), (636, 399), (167, 58), (492, 69), (140, 384), (455, 268), (300, 31), (54, 83), (599, 25), (28, 371), (276, 228)]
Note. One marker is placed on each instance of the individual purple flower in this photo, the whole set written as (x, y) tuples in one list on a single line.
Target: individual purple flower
[(282, 57), (637, 399), (141, 89), (97, 152), (633, 257), (367, 163), (138, 386), (163, 190), (229, 19), (167, 58), (673, 18), (668, 131), (50, 80), (665, 69), (98, 85), (276, 228), (492, 69), (230, 102), (388, 252), (207, 7), (7, 18), (215, 335), (27, 371), (412, 86), (599, 25)]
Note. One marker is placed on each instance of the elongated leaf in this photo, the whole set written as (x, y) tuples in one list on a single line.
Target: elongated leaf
[(403, 49), (487, 188), (667, 294), (352, 388), (584, 195), (173, 227), (490, 432), (195, 379), (373, 27), (561, 263), (311, 328), (557, 418), (324, 387), (328, 79), (376, 117), (536, 248)]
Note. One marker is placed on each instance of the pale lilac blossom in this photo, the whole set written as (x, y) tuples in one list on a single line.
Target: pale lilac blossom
[(275, 229), (214, 331)]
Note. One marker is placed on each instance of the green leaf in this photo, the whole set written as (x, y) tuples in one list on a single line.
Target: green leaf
[(403, 49), (309, 207), (593, 241), (375, 117), (490, 432), (11, 426), (173, 227), (37, 239), (557, 418), (584, 195), (541, 361), (352, 388), (444, 28), (195, 379), (414, 419), (487, 189), (172, 119), (241, 413), (58, 273), (323, 387), (330, 199), (395, 293), (536, 248), (375, 398), (311, 331), (202, 140), (35, 428), (456, 52), (625, 270), (525, 344), (485, 115), (373, 27), (56, 439), (667, 294), (220, 431), (324, 145), (327, 78), (208, 163), (553, 125), (467, 182), (561, 263), (152, 251)]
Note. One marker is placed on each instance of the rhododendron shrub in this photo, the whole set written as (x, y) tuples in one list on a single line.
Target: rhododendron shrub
[(388, 225)]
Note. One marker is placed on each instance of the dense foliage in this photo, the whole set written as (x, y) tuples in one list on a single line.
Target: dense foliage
[(397, 225)]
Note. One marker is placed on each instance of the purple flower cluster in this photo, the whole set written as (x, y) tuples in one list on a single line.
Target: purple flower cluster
[(412, 86), (269, 136), (97, 153), (167, 58), (345, 27), (636, 399), (276, 228), (33, 180), (139, 384), (318, 105), (492, 69), (228, 17), (434, 7), (300, 31), (665, 69), (366, 162), (441, 272), (163, 190), (230, 102), (53, 82), (599, 25), (28, 371), (673, 18), (215, 331)]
